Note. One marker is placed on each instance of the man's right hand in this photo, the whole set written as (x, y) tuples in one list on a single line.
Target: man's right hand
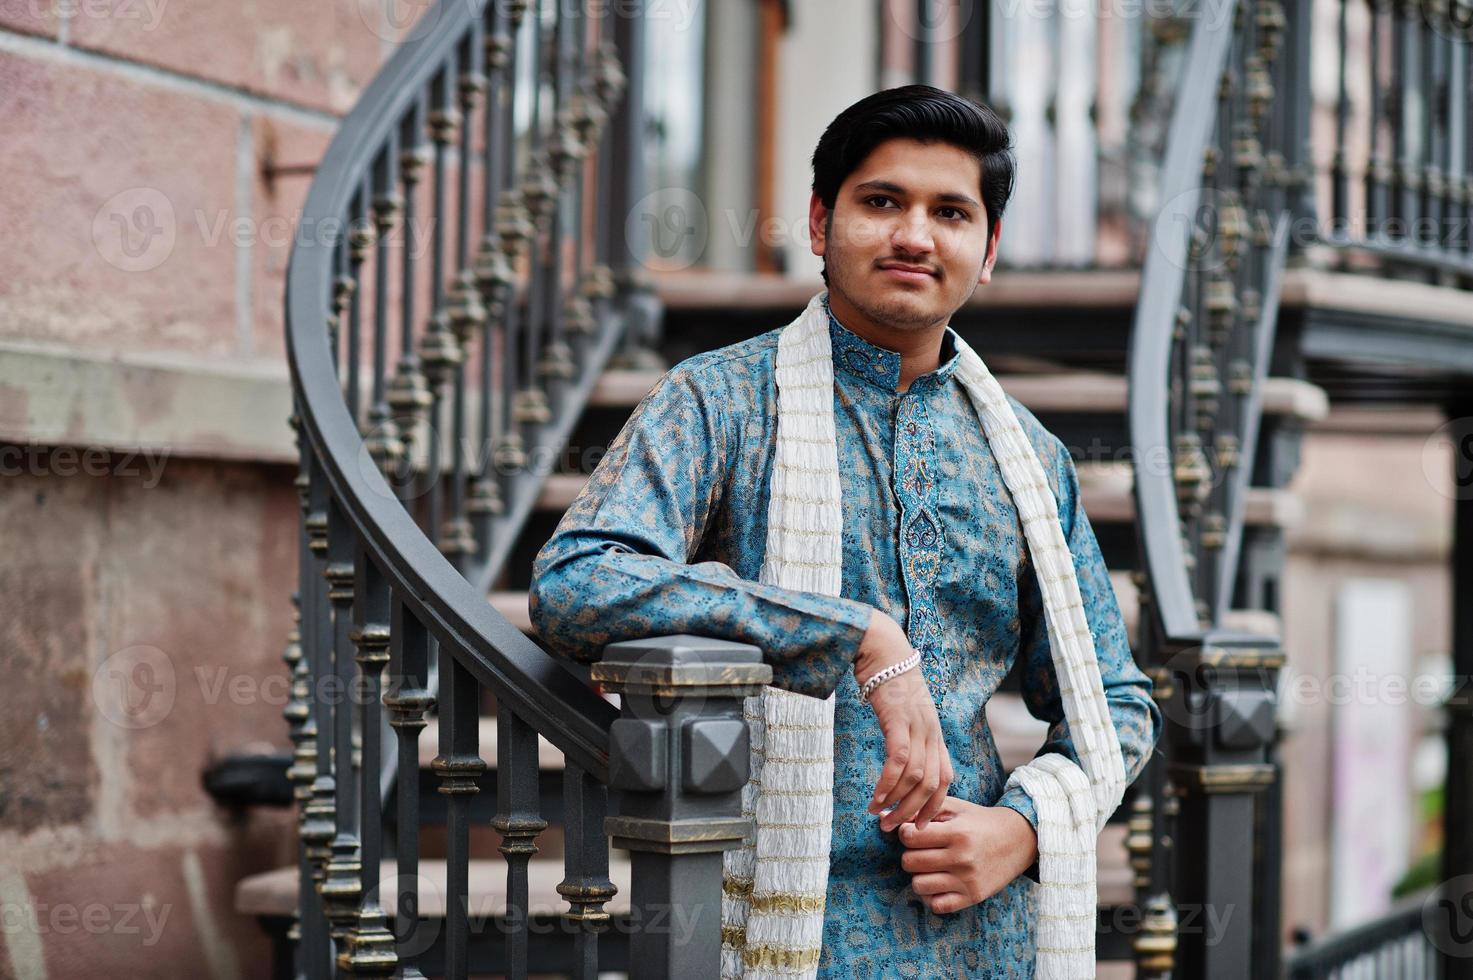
[(917, 770)]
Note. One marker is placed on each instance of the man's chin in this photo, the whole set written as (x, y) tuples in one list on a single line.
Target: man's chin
[(904, 307)]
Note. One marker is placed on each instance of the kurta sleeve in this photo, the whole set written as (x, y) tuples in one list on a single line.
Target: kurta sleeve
[(1136, 717), (617, 567)]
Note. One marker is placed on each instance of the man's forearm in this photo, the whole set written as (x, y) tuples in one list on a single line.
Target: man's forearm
[(585, 598)]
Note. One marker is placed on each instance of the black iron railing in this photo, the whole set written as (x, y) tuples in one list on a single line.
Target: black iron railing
[(1234, 172), (486, 130), (1396, 945), (1401, 178)]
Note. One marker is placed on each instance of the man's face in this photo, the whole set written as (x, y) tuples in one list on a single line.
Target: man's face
[(908, 238)]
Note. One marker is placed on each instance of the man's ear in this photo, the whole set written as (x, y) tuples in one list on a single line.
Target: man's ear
[(993, 235), (818, 217)]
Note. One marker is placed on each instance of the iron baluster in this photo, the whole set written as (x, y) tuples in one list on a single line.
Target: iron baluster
[(538, 190), (369, 950), (341, 888), (440, 353), (519, 822), (382, 439), (586, 885), (459, 768), (407, 700), (467, 314), (408, 395)]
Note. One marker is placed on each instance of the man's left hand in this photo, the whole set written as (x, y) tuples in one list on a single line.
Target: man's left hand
[(966, 854)]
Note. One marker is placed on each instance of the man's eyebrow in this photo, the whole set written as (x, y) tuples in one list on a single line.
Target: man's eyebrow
[(949, 197)]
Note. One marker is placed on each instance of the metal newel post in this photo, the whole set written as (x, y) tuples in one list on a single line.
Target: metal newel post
[(1221, 722), (678, 759)]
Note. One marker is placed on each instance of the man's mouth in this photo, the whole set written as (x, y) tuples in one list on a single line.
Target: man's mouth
[(907, 273)]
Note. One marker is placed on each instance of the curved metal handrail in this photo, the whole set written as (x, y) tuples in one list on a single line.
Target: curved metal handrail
[(538, 688), (1155, 316)]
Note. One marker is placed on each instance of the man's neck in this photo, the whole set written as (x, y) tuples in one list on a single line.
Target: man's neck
[(919, 350)]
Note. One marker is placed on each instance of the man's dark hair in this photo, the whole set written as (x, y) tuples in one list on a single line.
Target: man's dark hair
[(918, 112)]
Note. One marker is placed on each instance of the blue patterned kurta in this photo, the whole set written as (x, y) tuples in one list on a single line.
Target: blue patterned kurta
[(668, 537)]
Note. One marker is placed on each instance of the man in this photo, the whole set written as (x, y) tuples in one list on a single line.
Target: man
[(930, 860)]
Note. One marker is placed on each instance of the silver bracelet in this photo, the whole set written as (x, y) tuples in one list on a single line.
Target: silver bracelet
[(889, 673)]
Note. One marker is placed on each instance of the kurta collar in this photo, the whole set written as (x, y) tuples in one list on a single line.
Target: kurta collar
[(881, 367)]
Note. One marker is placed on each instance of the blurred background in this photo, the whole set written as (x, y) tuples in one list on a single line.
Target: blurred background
[(1234, 279)]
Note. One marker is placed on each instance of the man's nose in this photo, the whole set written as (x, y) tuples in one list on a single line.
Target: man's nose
[(912, 233)]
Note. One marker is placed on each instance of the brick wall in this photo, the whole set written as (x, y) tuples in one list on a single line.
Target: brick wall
[(143, 226)]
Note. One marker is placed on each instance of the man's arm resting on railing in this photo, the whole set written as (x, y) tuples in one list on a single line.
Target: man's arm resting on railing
[(1134, 713), (616, 568)]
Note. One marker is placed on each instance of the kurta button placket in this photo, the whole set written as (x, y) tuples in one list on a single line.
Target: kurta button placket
[(921, 536)]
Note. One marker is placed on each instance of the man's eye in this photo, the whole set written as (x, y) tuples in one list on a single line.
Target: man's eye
[(958, 212), (875, 197)]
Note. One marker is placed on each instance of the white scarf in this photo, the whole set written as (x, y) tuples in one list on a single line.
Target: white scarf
[(774, 886)]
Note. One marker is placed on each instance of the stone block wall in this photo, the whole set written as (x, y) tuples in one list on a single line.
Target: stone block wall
[(146, 501)]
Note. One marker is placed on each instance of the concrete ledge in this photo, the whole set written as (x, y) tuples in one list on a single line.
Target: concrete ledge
[(128, 402)]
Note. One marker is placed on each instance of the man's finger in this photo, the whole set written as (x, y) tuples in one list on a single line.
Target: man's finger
[(921, 860), (938, 833), (936, 883), (896, 757), (946, 903)]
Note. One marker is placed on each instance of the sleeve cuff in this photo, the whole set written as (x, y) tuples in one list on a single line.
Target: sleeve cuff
[(1017, 798)]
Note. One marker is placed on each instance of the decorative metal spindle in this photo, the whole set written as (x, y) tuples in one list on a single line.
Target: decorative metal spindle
[(441, 353), (1339, 166), (636, 291), (564, 154), (1464, 122), (369, 950), (519, 821), (383, 443), (459, 768), (538, 191), (318, 824), (467, 314), (608, 82), (513, 231), (1429, 177), (341, 889), (1455, 112), (1459, 112), (587, 887), (577, 314), (312, 950), (342, 288), (1376, 167), (408, 699), (492, 274), (360, 241), (408, 394), (1443, 175), (1403, 194)]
